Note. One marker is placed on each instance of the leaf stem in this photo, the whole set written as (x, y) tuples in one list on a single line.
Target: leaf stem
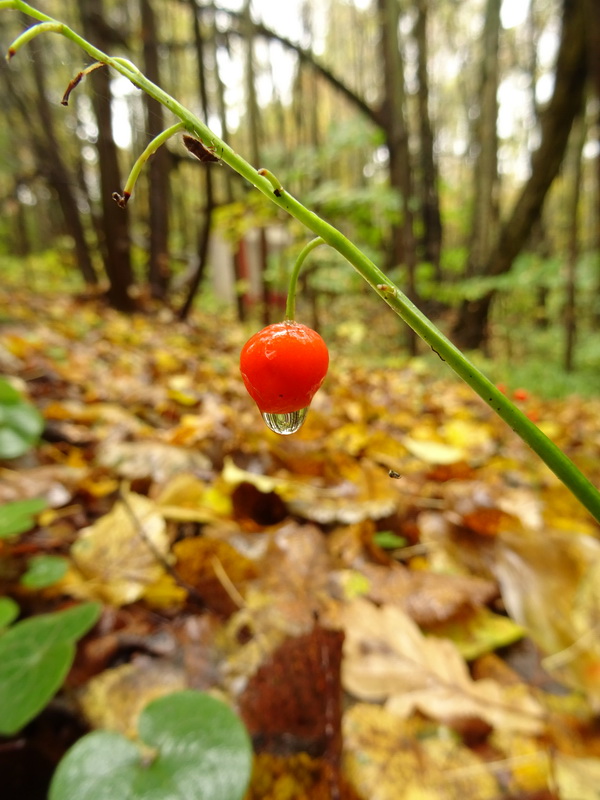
[(558, 462), (290, 306), (152, 147)]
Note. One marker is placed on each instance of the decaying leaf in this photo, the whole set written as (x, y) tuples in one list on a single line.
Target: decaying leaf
[(387, 658), (386, 759), (577, 778), (150, 459), (428, 597), (115, 559), (114, 699)]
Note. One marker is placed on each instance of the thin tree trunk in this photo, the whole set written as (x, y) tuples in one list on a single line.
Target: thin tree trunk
[(253, 119), (52, 166), (115, 225), (204, 235), (570, 310), (401, 179), (430, 200), (485, 142), (471, 327), (158, 166)]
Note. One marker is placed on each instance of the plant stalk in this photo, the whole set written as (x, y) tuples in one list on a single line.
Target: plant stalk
[(265, 182), (290, 306)]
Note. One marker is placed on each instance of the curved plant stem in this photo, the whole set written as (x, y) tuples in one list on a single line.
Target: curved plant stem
[(266, 183), (137, 167), (290, 306)]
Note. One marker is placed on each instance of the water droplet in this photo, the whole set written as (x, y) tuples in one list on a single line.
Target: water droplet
[(285, 423)]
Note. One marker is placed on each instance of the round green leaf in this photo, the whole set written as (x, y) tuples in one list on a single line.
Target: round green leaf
[(18, 517), (200, 750), (43, 571), (9, 611), (20, 423), (35, 656)]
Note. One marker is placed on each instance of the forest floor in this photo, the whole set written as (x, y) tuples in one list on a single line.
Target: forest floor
[(464, 577)]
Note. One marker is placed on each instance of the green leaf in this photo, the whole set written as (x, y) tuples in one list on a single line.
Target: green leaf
[(201, 750), (18, 517), (389, 540), (43, 571), (9, 611), (35, 656), (20, 423)]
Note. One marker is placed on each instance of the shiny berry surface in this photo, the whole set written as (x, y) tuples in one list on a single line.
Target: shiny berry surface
[(283, 365)]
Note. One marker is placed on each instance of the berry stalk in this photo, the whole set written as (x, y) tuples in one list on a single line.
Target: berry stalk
[(290, 306), (266, 183)]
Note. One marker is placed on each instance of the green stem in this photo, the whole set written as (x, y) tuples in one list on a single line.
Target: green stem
[(290, 306), (265, 182), (137, 167)]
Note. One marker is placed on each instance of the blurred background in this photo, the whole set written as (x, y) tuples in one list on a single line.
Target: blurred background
[(456, 143)]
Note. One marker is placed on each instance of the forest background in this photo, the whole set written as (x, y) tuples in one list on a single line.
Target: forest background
[(440, 138), (457, 144)]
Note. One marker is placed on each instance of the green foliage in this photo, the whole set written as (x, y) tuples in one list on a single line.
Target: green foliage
[(35, 656), (199, 749), (21, 424), (44, 570), (9, 611), (389, 540), (19, 516)]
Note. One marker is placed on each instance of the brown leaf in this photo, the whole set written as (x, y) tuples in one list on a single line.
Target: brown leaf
[(386, 657), (293, 702)]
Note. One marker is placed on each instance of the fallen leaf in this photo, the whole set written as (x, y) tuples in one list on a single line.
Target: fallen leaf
[(577, 778), (387, 658), (387, 759), (114, 699), (116, 558)]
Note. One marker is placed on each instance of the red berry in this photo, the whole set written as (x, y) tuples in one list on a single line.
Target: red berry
[(521, 394), (283, 365)]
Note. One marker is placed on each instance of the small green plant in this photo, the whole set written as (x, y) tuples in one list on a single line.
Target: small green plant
[(21, 424), (35, 656), (190, 746), (19, 516)]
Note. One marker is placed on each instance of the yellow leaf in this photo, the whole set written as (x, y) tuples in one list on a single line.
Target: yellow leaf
[(388, 758), (187, 498), (116, 557), (577, 778), (480, 632), (114, 699), (433, 452)]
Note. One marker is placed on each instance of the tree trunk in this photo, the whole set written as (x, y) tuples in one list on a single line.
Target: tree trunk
[(158, 166), (403, 249), (471, 327), (115, 226), (204, 235), (430, 200), (485, 142), (253, 121), (570, 310), (52, 166)]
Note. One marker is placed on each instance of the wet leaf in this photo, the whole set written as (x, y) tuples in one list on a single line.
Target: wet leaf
[(387, 658), (21, 424), (114, 699), (191, 735), (43, 571), (19, 516), (35, 656), (9, 611), (387, 759), (116, 558)]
